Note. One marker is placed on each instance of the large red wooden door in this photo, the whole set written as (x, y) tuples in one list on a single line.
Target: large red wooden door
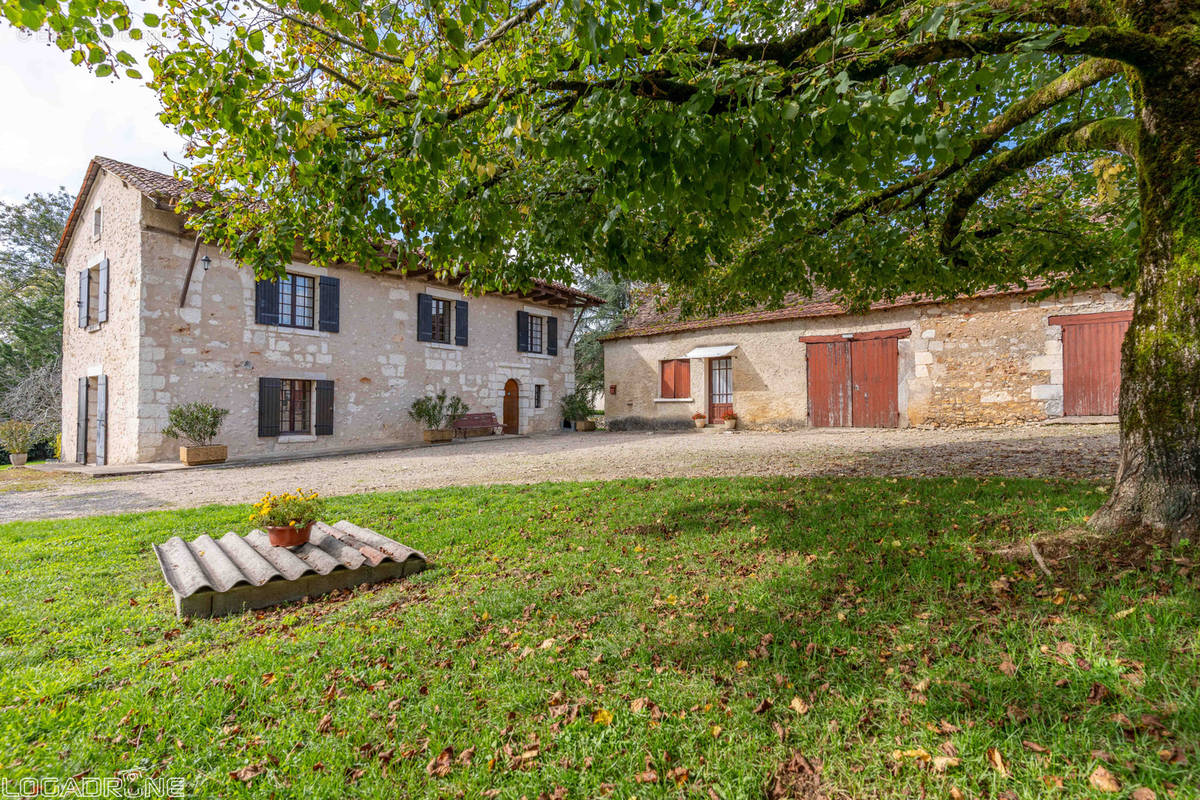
[(829, 403), (1091, 346), (720, 388), (875, 383), (854, 380)]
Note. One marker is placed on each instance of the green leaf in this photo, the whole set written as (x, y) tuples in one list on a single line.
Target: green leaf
[(104, 70)]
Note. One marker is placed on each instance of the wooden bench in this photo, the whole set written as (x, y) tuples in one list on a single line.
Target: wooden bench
[(476, 425)]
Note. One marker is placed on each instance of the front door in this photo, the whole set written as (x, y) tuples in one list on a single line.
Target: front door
[(720, 388), (512, 407)]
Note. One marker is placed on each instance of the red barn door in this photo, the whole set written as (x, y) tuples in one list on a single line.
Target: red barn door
[(1092, 362), (829, 404)]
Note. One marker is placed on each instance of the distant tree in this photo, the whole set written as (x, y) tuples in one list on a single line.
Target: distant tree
[(31, 294), (593, 323)]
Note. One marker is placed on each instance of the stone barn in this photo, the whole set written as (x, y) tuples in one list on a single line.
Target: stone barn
[(998, 357)]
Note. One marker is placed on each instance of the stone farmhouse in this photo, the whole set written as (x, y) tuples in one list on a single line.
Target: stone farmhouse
[(997, 357), (324, 359)]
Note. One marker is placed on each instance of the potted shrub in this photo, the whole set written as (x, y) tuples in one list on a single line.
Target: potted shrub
[(699, 419), (730, 420), (437, 415), (17, 436), (577, 407), (197, 424), (289, 517)]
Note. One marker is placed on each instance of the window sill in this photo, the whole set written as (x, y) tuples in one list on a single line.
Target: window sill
[(286, 329), (673, 400), (95, 326), (296, 438), (444, 346), (542, 356)]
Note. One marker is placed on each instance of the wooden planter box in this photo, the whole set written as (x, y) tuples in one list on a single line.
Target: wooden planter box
[(438, 437), (195, 456), (584, 425)]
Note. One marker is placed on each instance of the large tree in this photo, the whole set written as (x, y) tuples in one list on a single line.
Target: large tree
[(31, 286), (739, 149)]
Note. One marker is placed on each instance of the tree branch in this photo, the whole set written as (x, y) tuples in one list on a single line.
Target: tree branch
[(1050, 94), (1112, 133)]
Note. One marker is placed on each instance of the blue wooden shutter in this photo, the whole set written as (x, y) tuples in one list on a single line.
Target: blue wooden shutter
[(522, 332), (266, 302), (102, 420), (268, 406), (328, 304), (424, 318), (460, 323), (81, 423), (324, 420), (102, 293), (552, 336), (85, 288)]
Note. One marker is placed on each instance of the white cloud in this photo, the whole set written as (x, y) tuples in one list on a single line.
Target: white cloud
[(58, 115)]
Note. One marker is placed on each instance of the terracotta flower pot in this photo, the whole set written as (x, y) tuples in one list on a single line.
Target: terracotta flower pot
[(700, 423), (438, 436), (731, 424), (289, 535)]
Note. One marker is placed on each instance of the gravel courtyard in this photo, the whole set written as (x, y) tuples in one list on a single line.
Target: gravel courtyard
[(1084, 451)]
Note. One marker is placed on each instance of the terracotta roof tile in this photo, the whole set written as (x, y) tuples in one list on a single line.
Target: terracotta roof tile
[(648, 320)]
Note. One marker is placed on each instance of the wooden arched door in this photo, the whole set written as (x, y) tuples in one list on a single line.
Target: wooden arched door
[(512, 407)]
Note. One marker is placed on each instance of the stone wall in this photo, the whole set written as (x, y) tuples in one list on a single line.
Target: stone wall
[(110, 348), (212, 349), (991, 360)]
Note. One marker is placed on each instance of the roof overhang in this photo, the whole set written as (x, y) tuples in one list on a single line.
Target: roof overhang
[(711, 351)]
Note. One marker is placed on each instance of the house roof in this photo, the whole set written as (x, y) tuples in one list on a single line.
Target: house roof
[(165, 188), (648, 319)]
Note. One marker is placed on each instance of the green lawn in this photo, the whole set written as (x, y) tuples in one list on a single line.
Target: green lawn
[(633, 638)]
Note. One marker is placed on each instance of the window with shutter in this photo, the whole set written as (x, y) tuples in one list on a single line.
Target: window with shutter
[(268, 406), (535, 333), (460, 323), (85, 289), (81, 423), (102, 292), (552, 336), (424, 318), (327, 304), (522, 332), (266, 302), (102, 420), (675, 379), (324, 416)]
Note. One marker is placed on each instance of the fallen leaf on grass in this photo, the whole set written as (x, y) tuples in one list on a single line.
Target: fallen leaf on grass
[(325, 724), (1052, 781), (1035, 747), (248, 772), (943, 763), (648, 776), (1143, 793), (996, 761), (798, 705), (602, 717), (1008, 667), (716, 731), (764, 706), (679, 775), (956, 793), (919, 754), (268, 679), (1104, 781), (1122, 615), (440, 765), (797, 777)]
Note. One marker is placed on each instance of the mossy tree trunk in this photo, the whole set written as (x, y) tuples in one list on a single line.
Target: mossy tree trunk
[(1158, 479)]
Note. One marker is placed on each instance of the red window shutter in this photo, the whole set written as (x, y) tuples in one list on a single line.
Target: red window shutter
[(666, 369), (683, 378)]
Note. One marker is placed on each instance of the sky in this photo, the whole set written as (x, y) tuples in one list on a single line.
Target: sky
[(57, 116)]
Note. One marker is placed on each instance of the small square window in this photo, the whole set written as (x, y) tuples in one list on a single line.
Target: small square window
[(537, 395), (97, 223)]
